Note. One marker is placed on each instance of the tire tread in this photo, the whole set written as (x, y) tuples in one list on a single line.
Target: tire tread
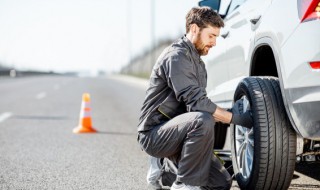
[(274, 137)]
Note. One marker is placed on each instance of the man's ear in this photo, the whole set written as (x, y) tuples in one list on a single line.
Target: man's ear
[(194, 29)]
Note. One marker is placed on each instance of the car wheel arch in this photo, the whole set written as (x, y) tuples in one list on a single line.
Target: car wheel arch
[(268, 42), (261, 46)]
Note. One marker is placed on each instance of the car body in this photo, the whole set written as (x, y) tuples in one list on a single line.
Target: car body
[(268, 54), (269, 38)]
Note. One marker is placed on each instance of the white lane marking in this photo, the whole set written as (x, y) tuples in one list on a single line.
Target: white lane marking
[(41, 95), (56, 87), (5, 116)]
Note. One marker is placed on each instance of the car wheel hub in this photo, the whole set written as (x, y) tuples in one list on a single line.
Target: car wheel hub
[(244, 145)]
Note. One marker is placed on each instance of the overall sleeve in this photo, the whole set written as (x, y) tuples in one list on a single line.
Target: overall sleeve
[(182, 78)]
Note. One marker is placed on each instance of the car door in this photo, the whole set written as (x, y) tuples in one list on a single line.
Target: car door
[(241, 21), (215, 61), (217, 72)]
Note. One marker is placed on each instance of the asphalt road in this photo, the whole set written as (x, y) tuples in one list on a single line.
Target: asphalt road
[(39, 151)]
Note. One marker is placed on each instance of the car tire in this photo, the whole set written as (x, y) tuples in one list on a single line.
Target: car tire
[(263, 157)]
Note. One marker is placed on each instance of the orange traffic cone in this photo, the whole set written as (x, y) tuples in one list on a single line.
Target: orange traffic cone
[(85, 124)]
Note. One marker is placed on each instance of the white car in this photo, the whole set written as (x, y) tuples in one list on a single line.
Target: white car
[(268, 54)]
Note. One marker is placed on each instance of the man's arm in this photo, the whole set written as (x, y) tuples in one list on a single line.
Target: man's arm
[(182, 79), (235, 117), (221, 115)]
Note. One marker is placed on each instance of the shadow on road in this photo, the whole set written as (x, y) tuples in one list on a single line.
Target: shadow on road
[(311, 169)]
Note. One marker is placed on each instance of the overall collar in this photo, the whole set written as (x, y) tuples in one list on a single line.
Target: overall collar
[(192, 48)]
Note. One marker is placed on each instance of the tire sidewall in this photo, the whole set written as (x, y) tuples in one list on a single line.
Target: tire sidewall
[(244, 89)]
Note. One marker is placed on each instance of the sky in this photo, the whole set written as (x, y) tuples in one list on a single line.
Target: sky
[(85, 35)]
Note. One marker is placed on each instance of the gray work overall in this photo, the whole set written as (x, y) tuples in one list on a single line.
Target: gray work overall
[(176, 118)]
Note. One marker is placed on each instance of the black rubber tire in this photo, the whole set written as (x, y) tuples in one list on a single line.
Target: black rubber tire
[(273, 136)]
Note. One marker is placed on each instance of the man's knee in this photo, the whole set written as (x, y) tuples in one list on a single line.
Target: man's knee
[(228, 183), (207, 122), (224, 184)]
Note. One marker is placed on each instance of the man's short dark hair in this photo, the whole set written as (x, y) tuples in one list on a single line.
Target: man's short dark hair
[(202, 17)]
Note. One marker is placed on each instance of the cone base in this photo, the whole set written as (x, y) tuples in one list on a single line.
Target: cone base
[(81, 129)]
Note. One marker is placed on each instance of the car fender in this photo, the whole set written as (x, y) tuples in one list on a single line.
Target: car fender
[(269, 41)]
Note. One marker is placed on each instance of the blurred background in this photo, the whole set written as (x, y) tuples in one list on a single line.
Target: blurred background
[(87, 37), (54, 51)]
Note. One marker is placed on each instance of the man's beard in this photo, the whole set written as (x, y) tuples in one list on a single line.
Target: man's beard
[(200, 46)]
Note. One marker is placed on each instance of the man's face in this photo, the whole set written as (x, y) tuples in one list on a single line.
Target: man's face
[(206, 39)]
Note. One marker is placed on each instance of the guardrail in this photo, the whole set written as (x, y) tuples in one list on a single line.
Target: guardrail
[(15, 73)]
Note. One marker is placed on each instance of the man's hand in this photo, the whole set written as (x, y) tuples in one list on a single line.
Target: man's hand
[(238, 118), (238, 105)]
